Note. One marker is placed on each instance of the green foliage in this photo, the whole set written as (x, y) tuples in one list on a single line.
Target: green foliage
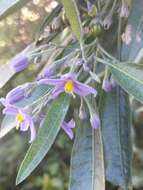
[(81, 158), (100, 155), (116, 134), (72, 14), (130, 77), (45, 138), (87, 155)]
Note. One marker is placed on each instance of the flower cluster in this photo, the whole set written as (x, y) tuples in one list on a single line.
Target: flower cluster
[(26, 117)]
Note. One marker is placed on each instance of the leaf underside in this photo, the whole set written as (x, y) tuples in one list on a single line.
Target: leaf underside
[(116, 134), (87, 164)]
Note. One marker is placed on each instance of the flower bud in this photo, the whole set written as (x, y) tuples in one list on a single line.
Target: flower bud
[(107, 86), (95, 121), (47, 73), (19, 63), (82, 114), (15, 95)]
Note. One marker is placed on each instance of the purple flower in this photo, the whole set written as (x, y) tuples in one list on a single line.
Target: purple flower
[(107, 86), (95, 121), (82, 114), (67, 127), (68, 83), (19, 63), (47, 73), (22, 119)]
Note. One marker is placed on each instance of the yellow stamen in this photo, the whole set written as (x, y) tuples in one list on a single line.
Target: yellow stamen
[(19, 120), (69, 87)]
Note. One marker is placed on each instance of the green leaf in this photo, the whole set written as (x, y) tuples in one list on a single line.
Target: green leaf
[(116, 133), (98, 176), (130, 77), (45, 138), (81, 158), (73, 16), (8, 122), (8, 7), (35, 96), (130, 51), (87, 165)]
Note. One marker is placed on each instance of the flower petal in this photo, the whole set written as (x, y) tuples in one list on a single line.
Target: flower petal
[(67, 127), (71, 124), (83, 89), (68, 131), (24, 125), (68, 76), (10, 110), (57, 90), (51, 81)]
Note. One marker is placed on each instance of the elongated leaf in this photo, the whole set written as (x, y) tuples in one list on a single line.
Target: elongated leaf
[(135, 22), (130, 77), (116, 132), (87, 167), (36, 96), (45, 138), (98, 175), (8, 7), (81, 159), (8, 122), (72, 14)]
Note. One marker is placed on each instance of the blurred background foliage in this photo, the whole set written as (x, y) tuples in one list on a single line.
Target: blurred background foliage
[(17, 31)]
